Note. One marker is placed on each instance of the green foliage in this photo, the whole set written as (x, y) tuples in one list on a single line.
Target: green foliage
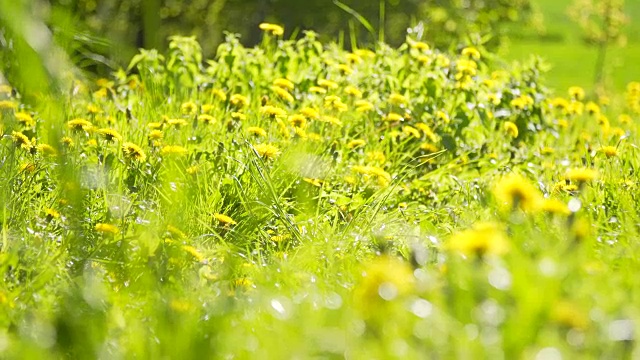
[(395, 202), (131, 24)]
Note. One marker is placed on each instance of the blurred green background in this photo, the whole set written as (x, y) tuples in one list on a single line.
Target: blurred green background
[(103, 35)]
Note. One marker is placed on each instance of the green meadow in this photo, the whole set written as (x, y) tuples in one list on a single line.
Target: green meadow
[(296, 200), (571, 60)]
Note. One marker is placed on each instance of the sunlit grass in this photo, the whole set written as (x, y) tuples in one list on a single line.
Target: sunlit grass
[(295, 200)]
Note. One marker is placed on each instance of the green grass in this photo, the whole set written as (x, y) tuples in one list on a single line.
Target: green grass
[(394, 203), (572, 61)]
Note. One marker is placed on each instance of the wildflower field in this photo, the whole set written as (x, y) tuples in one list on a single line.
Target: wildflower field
[(295, 200)]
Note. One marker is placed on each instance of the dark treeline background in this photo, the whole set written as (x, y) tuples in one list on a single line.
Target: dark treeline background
[(129, 24), (100, 36)]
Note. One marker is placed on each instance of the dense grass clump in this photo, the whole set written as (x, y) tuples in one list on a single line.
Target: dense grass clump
[(295, 200)]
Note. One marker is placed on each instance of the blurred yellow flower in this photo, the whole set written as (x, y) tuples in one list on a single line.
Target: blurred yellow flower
[(576, 93), (515, 191), (224, 219), (266, 150), (108, 229), (273, 29), (484, 238), (511, 129), (133, 151), (110, 134), (581, 175), (173, 150), (609, 151)]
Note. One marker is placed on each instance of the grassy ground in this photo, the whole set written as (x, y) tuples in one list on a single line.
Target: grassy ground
[(295, 200), (573, 61)]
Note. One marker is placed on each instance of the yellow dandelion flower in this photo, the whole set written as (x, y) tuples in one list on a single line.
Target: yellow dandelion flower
[(273, 111), (581, 175), (110, 134), (328, 84), (376, 157), (107, 229), (239, 101), (485, 238), (189, 108), (219, 94), (511, 129), (177, 123), (427, 131), (51, 214), (283, 94), (273, 29), (169, 150), (257, 131), (430, 148), (80, 125), (494, 99), (560, 103), (384, 279), (592, 108), (317, 90), (569, 314), (576, 93), (563, 123), (238, 116), (624, 119), (155, 135), (133, 152), (383, 177), (398, 99), (224, 219), (155, 125), (609, 151), (192, 170), (554, 206), (471, 53), (67, 141), (207, 119), (334, 102), (345, 69), (547, 150), (331, 120), (298, 120), (393, 117), (207, 108), (284, 83), (442, 117), (603, 121), (27, 167), (313, 181), (419, 45), (411, 131), (266, 150), (515, 191), (363, 106), (21, 140), (356, 143), (46, 149), (617, 132), (575, 108), (193, 252), (93, 109), (25, 119), (8, 105), (353, 91), (310, 113), (353, 58)]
